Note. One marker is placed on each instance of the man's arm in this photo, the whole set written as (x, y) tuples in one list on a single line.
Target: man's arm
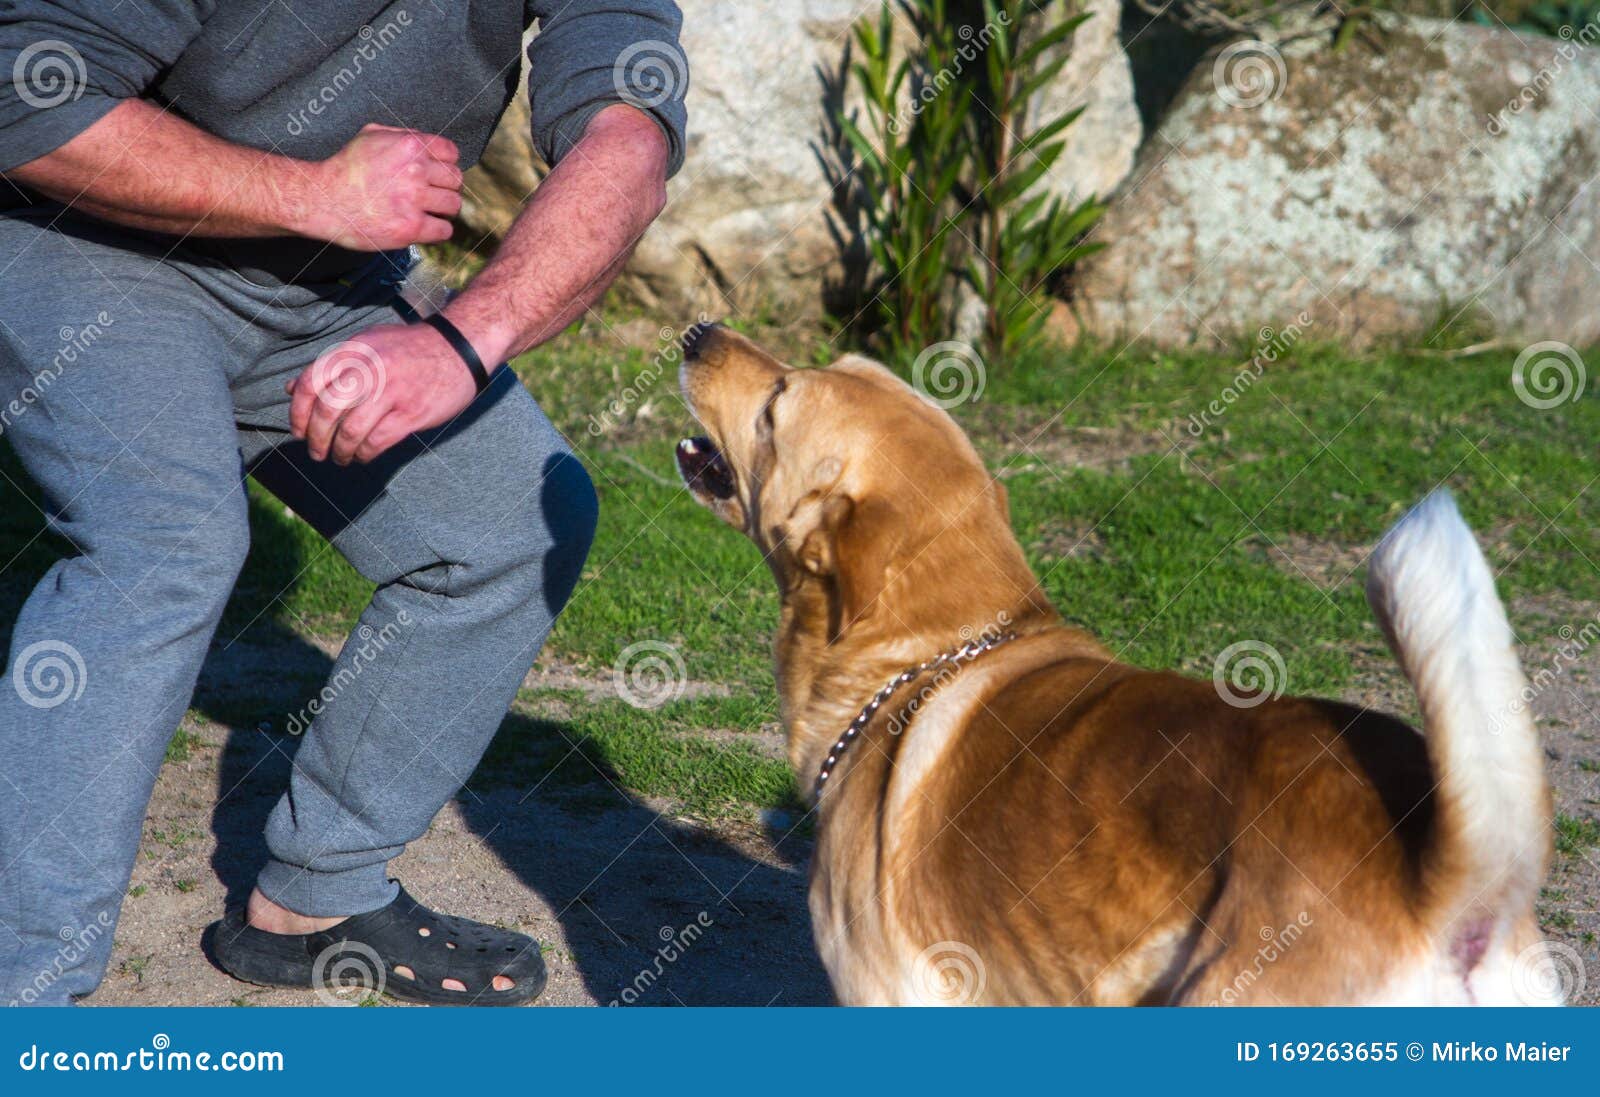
[(590, 54), (571, 240), (606, 89), (565, 248), (75, 126), (144, 167)]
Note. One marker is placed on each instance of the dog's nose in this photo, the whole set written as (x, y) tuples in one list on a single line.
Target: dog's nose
[(694, 340)]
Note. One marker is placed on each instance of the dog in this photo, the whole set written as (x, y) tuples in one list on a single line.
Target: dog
[(1008, 815)]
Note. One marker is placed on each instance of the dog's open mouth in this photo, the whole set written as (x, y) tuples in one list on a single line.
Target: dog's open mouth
[(704, 469)]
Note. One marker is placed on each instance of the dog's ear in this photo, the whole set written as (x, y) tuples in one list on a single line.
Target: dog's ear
[(852, 543)]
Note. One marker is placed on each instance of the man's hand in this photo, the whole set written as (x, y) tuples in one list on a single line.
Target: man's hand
[(568, 244), (144, 166), (387, 188), (370, 392)]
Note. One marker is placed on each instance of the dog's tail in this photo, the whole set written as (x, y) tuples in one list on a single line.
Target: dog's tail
[(1434, 595)]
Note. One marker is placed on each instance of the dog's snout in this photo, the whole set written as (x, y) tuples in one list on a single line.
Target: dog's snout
[(697, 337)]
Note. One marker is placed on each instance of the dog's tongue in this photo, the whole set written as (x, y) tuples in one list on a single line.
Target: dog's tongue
[(702, 466)]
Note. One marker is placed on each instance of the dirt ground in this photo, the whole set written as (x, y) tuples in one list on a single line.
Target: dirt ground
[(602, 879), (605, 880)]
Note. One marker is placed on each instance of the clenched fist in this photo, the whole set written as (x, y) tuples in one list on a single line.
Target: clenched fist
[(388, 188)]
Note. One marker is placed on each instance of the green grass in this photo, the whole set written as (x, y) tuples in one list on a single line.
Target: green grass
[(175, 839), (1183, 573), (1558, 919), (1575, 835), (181, 747), (1327, 447), (614, 746)]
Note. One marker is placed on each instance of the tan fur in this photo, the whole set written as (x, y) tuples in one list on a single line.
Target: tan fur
[(1053, 826)]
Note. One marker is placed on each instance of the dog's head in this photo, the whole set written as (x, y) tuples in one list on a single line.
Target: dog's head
[(844, 476)]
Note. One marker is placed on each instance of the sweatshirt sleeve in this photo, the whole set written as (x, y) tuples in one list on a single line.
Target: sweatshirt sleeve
[(589, 54), (65, 63)]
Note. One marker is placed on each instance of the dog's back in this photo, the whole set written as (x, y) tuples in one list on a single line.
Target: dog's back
[(1101, 834)]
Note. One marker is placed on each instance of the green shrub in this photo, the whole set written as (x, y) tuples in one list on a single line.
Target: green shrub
[(1543, 18), (946, 170)]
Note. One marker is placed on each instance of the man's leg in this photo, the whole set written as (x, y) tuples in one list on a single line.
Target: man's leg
[(117, 404), (475, 535)]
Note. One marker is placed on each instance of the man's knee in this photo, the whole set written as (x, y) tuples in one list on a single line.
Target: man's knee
[(534, 552), (182, 567)]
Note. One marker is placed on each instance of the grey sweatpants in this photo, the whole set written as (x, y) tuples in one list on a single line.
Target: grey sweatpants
[(138, 385)]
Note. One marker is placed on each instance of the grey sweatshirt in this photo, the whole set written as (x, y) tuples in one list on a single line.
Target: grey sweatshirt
[(300, 78)]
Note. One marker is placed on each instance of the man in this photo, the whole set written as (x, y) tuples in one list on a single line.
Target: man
[(222, 195)]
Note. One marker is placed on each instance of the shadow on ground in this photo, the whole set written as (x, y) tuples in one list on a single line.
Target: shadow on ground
[(633, 905)]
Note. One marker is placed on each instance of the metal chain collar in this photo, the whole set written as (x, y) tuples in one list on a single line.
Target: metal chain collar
[(965, 653)]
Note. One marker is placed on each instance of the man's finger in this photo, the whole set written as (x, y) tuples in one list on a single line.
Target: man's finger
[(354, 428), (325, 416), (443, 175), (445, 203), (434, 230), (439, 148), (305, 395), (389, 432), (343, 376)]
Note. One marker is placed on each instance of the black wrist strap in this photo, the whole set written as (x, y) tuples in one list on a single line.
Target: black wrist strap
[(461, 346)]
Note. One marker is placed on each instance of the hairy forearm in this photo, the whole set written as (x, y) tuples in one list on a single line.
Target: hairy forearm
[(146, 168), (571, 240)]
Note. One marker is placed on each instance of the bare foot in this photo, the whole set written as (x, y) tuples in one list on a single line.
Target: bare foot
[(265, 915)]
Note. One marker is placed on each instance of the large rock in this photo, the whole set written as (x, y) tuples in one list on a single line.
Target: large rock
[(747, 221), (1368, 190)]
